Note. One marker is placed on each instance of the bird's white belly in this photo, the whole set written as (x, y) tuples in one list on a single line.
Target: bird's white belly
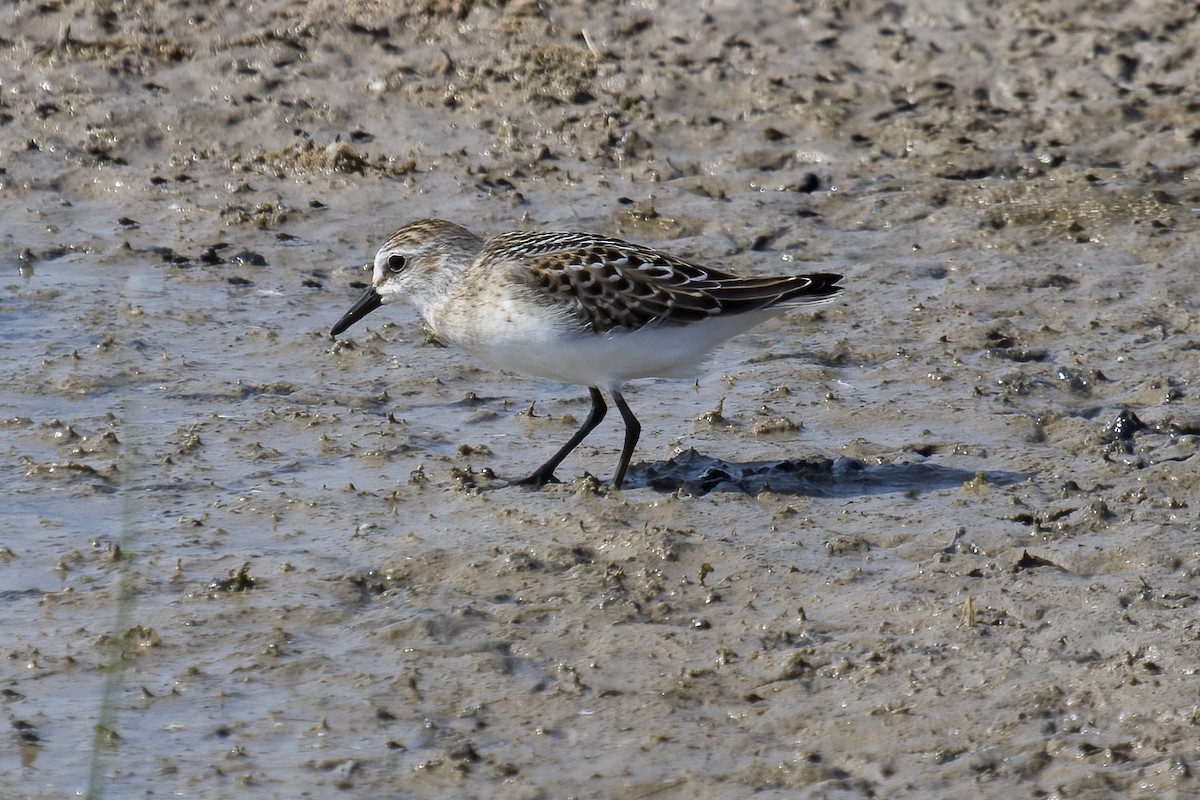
[(542, 348)]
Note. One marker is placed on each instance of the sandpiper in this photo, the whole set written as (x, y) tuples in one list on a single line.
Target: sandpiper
[(574, 307)]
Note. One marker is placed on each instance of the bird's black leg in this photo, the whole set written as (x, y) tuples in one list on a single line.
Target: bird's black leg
[(545, 473), (633, 429)]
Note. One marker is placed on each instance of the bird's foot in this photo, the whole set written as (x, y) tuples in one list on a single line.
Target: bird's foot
[(538, 479)]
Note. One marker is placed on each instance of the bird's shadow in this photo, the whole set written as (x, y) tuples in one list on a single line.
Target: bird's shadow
[(698, 474)]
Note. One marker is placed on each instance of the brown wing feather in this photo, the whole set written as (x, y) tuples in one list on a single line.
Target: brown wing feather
[(610, 284)]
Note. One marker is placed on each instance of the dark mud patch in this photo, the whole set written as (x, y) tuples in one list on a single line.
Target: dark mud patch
[(697, 474)]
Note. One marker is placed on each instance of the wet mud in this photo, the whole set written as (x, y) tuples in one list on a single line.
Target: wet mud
[(938, 537)]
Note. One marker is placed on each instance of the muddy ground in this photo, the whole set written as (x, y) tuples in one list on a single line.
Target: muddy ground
[(938, 538)]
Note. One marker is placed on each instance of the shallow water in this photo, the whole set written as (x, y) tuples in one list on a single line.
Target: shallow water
[(885, 549)]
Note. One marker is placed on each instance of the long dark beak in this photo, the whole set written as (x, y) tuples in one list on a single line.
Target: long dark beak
[(369, 301)]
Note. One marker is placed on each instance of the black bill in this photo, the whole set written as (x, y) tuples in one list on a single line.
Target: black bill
[(369, 301)]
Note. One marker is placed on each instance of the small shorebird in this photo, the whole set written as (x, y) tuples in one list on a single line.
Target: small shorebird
[(574, 307)]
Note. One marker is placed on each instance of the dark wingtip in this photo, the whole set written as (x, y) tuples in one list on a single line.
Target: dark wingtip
[(821, 286), (826, 284)]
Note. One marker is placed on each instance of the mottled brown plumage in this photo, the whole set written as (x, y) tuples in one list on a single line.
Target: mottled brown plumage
[(612, 284)]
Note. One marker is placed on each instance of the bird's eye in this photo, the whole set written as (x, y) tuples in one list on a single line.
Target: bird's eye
[(396, 262)]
